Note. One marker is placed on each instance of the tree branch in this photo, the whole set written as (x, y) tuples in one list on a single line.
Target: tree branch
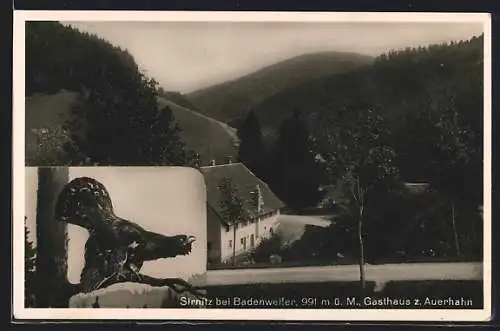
[(156, 282), (173, 283), (359, 189)]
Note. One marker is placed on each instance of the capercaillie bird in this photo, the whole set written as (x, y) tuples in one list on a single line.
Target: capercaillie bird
[(116, 248)]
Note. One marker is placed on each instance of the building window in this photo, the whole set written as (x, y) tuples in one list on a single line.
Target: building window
[(230, 244), (227, 228)]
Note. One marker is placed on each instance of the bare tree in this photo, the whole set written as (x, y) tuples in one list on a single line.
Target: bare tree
[(232, 206)]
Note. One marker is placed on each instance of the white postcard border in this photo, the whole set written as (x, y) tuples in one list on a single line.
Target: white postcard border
[(21, 313)]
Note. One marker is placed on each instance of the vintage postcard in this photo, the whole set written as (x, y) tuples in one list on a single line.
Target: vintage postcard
[(252, 166)]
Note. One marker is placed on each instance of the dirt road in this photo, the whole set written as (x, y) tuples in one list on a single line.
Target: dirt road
[(377, 273)]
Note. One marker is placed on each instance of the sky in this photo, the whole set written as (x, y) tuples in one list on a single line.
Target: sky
[(150, 197), (186, 56)]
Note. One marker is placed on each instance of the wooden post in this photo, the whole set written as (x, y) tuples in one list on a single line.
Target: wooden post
[(455, 233), (259, 204), (234, 243), (51, 262)]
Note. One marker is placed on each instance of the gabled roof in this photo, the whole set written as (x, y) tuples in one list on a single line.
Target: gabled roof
[(246, 182)]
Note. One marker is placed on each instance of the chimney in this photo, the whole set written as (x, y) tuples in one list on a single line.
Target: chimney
[(212, 163)]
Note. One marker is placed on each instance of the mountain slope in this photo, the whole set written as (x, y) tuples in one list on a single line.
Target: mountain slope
[(177, 98), (119, 99), (414, 91), (44, 118), (210, 138), (398, 85), (231, 100)]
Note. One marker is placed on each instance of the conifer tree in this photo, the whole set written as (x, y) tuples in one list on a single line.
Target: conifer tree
[(251, 150), (296, 171)]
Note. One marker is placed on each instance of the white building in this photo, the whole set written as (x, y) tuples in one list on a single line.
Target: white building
[(261, 219)]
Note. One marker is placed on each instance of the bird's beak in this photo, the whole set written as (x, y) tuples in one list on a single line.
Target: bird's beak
[(191, 239)]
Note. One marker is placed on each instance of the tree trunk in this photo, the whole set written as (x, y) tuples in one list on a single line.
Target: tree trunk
[(51, 262), (361, 250), (455, 233), (234, 244)]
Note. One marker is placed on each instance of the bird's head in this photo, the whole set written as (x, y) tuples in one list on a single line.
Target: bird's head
[(159, 246), (181, 244)]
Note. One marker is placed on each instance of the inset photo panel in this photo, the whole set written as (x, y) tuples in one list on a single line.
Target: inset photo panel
[(113, 237)]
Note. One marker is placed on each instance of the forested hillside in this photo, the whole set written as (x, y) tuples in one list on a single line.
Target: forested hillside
[(229, 102), (116, 120), (413, 116), (410, 89), (395, 83)]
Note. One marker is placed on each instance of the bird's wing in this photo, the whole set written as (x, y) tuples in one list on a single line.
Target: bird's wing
[(102, 264)]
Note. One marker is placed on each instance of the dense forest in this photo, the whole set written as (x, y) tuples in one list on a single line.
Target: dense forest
[(116, 120), (415, 115), (397, 84), (413, 90)]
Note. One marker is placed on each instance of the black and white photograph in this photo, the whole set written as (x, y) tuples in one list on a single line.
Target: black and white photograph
[(99, 235), (252, 166)]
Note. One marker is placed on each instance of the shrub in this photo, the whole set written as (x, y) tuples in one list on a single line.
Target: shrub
[(266, 248)]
